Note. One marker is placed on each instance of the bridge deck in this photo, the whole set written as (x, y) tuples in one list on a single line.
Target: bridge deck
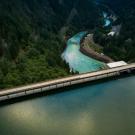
[(67, 79)]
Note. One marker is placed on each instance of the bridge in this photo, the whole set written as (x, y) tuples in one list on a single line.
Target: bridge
[(64, 82)]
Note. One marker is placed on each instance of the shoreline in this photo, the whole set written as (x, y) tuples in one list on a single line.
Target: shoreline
[(90, 52)]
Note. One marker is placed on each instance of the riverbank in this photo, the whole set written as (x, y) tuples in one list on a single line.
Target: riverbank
[(85, 48)]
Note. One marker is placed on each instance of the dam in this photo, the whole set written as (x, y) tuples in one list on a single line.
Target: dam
[(64, 82)]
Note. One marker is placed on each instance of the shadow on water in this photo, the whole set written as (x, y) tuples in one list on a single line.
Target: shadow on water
[(66, 89)]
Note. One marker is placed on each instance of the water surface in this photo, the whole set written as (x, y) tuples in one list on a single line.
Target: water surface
[(102, 109), (107, 21), (77, 60)]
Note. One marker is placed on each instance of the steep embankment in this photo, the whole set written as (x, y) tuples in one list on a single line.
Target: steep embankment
[(91, 49)]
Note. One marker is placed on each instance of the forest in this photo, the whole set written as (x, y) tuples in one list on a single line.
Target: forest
[(31, 42), (33, 35), (120, 47)]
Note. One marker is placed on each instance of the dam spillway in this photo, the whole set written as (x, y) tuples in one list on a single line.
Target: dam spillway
[(64, 82)]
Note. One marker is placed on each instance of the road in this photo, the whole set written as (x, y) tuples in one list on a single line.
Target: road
[(63, 80)]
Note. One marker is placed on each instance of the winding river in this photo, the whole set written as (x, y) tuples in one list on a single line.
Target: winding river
[(107, 21), (78, 61)]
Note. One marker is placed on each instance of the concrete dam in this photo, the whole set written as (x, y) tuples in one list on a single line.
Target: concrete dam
[(64, 82)]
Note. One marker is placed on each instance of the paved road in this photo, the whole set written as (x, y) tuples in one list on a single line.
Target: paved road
[(67, 79)]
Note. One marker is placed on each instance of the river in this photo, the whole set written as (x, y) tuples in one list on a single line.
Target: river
[(106, 108), (78, 61), (107, 21)]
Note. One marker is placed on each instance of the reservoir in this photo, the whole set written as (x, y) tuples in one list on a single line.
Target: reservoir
[(104, 108), (78, 61)]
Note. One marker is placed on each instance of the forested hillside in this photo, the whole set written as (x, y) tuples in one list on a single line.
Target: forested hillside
[(30, 45), (33, 35), (123, 46)]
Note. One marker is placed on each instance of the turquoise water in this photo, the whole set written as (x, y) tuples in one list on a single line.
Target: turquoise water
[(107, 22), (106, 19), (78, 61), (100, 109)]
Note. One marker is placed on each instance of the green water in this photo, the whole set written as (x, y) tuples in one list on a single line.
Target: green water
[(106, 20), (100, 109), (78, 61)]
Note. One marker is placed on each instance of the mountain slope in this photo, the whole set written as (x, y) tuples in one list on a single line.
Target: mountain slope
[(123, 46), (30, 45)]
